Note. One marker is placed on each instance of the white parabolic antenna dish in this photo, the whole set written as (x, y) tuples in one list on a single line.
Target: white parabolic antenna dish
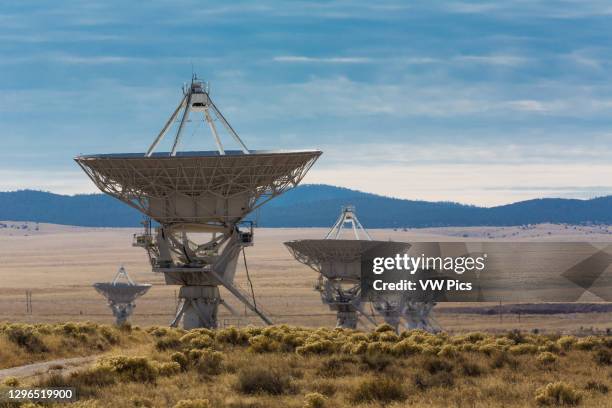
[(337, 258), (121, 292), (339, 262), (121, 295), (198, 187), (340, 258)]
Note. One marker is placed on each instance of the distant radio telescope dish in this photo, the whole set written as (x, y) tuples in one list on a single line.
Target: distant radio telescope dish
[(121, 296), (338, 261), (199, 199)]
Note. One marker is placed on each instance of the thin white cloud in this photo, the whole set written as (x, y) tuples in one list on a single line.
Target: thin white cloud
[(560, 9), (73, 59), (489, 153), (505, 60), (502, 60), (528, 106), (322, 60), (96, 59)]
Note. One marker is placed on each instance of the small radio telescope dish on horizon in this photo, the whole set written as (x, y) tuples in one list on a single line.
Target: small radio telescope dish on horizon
[(338, 262), (121, 296), (195, 194)]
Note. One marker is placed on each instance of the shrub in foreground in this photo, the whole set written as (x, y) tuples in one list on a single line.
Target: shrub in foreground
[(381, 389), (139, 369), (11, 382), (558, 394), (266, 380), (315, 400), (546, 358)]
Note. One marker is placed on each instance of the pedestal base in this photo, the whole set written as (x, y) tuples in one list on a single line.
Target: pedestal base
[(417, 315), (346, 319), (200, 306), (122, 312)]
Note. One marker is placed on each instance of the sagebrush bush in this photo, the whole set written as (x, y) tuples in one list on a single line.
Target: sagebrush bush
[(315, 400), (181, 359), (566, 342), (197, 403), (11, 382), (523, 348), (316, 347), (140, 369), (588, 343), (558, 394), (198, 340), (232, 335), (267, 380), (206, 361), (168, 343), (546, 358), (385, 328), (263, 344), (406, 347), (448, 351), (381, 389), (25, 336), (168, 369)]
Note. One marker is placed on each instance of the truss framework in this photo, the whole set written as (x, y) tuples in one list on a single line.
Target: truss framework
[(196, 99), (348, 217)]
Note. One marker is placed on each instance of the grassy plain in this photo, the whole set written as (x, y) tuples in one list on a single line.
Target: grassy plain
[(60, 263)]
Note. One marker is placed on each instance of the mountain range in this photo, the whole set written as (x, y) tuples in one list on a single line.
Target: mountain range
[(315, 205)]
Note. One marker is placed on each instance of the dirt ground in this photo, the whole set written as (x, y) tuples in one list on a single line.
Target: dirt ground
[(58, 264)]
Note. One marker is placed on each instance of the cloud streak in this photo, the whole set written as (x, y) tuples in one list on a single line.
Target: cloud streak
[(322, 60)]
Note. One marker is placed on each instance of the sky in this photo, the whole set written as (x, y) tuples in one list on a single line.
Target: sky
[(482, 103)]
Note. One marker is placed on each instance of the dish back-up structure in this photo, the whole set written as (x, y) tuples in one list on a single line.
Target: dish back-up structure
[(121, 296), (199, 200), (338, 262)]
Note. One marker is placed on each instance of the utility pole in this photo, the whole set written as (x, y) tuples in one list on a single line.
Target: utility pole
[(28, 294)]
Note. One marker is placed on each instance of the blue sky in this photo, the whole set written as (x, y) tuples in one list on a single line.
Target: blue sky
[(476, 102)]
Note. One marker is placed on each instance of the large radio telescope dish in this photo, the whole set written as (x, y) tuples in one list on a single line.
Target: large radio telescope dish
[(198, 192), (198, 187)]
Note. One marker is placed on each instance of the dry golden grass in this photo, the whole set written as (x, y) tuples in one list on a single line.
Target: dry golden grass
[(283, 366), (60, 263), (22, 344)]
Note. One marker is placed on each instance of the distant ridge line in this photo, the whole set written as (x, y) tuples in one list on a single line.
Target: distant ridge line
[(317, 205)]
